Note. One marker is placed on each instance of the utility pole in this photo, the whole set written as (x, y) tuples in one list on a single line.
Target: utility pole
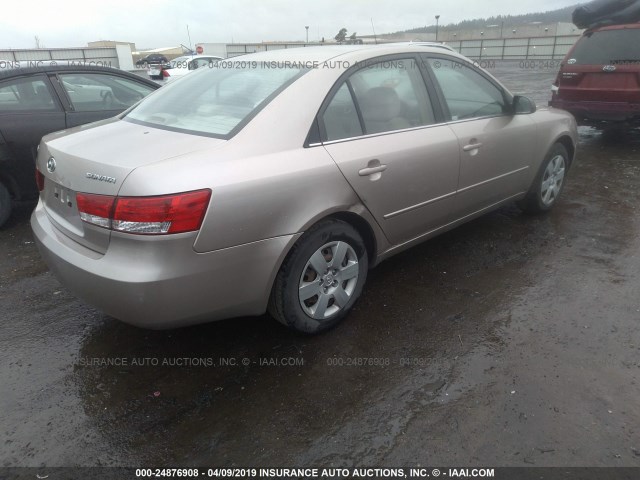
[(307, 27), (437, 22)]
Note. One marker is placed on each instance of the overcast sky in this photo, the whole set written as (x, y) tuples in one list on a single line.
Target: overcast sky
[(161, 23)]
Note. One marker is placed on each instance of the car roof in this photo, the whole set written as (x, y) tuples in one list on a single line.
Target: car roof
[(20, 71), (443, 46), (621, 26), (346, 52)]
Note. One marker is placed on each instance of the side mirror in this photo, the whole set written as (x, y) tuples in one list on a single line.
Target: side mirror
[(522, 105)]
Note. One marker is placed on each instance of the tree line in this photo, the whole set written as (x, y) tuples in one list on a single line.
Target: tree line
[(550, 16)]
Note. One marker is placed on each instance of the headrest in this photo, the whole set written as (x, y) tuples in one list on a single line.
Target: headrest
[(381, 104)]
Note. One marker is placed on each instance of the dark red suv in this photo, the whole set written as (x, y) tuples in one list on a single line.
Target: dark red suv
[(599, 79)]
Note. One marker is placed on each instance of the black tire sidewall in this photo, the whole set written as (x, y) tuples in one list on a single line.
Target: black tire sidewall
[(327, 232), (5, 204)]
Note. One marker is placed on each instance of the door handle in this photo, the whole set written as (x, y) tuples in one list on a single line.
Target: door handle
[(471, 146), (372, 170)]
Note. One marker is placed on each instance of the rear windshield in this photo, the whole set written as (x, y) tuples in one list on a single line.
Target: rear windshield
[(608, 47), (216, 101)]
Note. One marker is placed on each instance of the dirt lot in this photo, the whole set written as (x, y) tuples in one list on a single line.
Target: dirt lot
[(511, 341)]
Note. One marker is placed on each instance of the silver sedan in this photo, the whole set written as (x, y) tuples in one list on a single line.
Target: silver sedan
[(274, 181)]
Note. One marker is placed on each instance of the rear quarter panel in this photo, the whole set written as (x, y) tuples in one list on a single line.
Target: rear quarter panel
[(264, 182)]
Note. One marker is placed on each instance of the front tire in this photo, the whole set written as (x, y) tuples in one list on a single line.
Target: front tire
[(5, 204), (321, 278), (549, 181)]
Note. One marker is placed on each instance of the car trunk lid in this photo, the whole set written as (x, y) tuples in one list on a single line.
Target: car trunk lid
[(603, 66), (97, 159)]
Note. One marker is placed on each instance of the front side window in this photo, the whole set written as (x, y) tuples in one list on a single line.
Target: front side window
[(25, 94), (90, 92), (390, 95), (213, 101), (467, 93)]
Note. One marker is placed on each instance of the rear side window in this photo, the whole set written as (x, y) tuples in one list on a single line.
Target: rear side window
[(390, 95), (608, 47), (25, 94), (98, 91), (341, 117)]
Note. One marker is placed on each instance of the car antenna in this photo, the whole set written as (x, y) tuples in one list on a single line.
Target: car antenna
[(375, 39), (189, 36)]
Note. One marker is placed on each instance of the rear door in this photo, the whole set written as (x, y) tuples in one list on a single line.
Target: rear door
[(29, 109), (383, 132), (96, 95), (496, 147)]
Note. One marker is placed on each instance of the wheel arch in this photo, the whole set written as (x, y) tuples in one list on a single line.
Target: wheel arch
[(567, 142), (6, 178), (363, 228), (287, 309), (358, 218)]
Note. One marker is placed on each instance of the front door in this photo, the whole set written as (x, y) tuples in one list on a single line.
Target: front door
[(496, 146)]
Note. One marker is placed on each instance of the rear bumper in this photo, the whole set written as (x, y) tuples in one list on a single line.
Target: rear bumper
[(597, 112), (161, 282)]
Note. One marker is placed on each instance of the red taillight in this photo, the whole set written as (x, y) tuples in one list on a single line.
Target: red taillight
[(178, 213), (165, 73), (39, 180), (95, 209)]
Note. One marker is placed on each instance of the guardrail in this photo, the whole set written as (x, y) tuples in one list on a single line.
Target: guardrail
[(531, 48), (539, 48)]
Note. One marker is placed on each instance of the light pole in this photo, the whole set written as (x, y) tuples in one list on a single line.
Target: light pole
[(307, 27), (437, 22)]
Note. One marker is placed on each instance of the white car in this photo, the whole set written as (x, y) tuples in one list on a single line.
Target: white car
[(180, 66)]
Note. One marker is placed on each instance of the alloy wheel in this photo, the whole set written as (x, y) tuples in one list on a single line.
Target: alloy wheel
[(552, 180), (328, 280)]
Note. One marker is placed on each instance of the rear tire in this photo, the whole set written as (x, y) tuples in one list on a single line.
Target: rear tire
[(321, 278), (5, 204), (549, 181)]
